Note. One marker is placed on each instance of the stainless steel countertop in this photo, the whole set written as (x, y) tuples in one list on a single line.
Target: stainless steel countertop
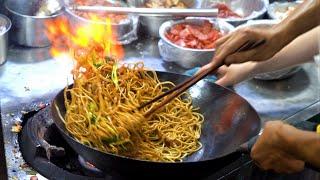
[(31, 74)]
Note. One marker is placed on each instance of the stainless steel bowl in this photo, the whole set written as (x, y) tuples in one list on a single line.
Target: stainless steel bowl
[(150, 24), (277, 10), (275, 75), (5, 25), (187, 57), (28, 28), (126, 29), (249, 9)]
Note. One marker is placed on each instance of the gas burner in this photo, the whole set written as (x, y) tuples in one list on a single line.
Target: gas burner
[(45, 150)]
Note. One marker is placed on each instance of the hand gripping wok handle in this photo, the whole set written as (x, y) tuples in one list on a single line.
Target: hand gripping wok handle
[(303, 125)]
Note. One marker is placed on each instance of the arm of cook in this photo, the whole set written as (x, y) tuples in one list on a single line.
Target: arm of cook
[(299, 51), (302, 19), (304, 145)]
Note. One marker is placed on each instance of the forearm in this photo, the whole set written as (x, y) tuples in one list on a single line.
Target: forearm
[(301, 50), (303, 145), (302, 19)]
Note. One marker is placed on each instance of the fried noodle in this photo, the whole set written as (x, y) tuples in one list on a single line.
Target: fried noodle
[(99, 114)]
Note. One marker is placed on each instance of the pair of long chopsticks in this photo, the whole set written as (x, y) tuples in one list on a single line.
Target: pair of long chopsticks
[(177, 90), (149, 11)]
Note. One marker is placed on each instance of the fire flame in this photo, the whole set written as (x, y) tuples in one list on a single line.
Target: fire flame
[(88, 44)]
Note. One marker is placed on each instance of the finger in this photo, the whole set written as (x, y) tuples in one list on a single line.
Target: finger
[(240, 57), (222, 40), (261, 53), (222, 70), (223, 81), (295, 165), (203, 68), (230, 46)]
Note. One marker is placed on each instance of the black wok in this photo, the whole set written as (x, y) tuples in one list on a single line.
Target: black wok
[(229, 122)]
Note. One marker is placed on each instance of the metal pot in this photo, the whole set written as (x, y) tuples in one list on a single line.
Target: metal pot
[(28, 27), (151, 24), (126, 29), (5, 25)]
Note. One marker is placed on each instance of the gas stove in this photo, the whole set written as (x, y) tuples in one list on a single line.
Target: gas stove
[(44, 149)]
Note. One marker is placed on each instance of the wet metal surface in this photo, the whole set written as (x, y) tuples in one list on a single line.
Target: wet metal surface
[(30, 76)]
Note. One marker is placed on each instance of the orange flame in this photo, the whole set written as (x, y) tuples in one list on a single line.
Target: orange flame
[(87, 44)]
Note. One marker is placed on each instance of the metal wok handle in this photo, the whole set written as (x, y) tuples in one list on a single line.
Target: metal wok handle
[(303, 125)]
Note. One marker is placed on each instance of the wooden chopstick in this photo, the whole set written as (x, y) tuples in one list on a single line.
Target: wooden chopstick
[(176, 91)]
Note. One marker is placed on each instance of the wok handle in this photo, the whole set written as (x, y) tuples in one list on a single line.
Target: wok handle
[(303, 125)]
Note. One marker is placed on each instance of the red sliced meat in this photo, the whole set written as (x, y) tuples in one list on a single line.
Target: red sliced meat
[(194, 36)]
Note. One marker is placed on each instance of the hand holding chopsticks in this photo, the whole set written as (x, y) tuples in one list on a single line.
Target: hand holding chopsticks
[(177, 90)]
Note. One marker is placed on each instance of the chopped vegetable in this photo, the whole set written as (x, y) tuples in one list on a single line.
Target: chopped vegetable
[(97, 65), (114, 75), (93, 118), (106, 140), (92, 107)]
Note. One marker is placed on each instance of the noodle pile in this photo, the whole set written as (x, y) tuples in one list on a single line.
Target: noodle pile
[(100, 114)]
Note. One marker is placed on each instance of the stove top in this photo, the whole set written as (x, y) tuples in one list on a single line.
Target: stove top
[(44, 149)]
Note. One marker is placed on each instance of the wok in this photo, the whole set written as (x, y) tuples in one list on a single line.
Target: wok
[(229, 122)]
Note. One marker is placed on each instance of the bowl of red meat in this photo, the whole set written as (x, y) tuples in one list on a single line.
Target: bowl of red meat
[(191, 42), (238, 12)]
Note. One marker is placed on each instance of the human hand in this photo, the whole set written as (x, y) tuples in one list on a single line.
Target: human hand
[(274, 40), (235, 73), (269, 152)]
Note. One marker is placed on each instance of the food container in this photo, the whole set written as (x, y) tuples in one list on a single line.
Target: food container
[(248, 9), (5, 25), (28, 28), (280, 10), (150, 24), (126, 28), (187, 57), (275, 75)]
